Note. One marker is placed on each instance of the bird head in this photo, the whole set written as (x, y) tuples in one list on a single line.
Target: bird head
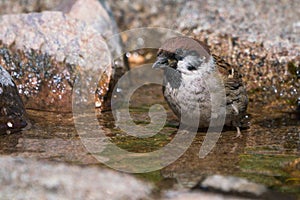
[(185, 55)]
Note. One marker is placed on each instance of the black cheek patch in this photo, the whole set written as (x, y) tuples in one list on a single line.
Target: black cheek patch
[(191, 68)]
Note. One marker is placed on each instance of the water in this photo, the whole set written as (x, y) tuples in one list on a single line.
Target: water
[(267, 153)]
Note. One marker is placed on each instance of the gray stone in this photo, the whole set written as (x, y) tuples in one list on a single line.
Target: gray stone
[(12, 112), (97, 14), (26, 6), (187, 195), (231, 184), (22, 178), (46, 52), (142, 13), (251, 21), (221, 187), (43, 51), (226, 187), (94, 13)]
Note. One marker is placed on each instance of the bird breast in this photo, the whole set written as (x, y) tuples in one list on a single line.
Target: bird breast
[(192, 99)]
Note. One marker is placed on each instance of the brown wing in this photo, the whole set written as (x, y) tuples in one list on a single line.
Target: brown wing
[(236, 94)]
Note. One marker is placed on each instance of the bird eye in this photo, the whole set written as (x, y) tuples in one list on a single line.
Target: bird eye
[(191, 68), (179, 54)]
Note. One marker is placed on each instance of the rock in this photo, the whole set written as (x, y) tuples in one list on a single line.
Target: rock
[(82, 24), (27, 179), (12, 113), (231, 184), (97, 14), (248, 21), (46, 52), (142, 13), (27, 6), (188, 195), (195, 195), (151, 14), (239, 31), (230, 187)]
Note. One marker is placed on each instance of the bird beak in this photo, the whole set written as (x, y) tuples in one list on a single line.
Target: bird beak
[(160, 63)]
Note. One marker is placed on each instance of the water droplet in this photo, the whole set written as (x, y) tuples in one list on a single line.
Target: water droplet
[(119, 90), (128, 54), (9, 124), (98, 104), (274, 89)]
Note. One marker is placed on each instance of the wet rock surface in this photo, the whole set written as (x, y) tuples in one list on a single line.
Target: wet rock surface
[(270, 75), (53, 137), (256, 21), (12, 112), (247, 34), (46, 52), (28, 179)]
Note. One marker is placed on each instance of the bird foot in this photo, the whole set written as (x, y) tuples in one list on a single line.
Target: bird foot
[(238, 134)]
